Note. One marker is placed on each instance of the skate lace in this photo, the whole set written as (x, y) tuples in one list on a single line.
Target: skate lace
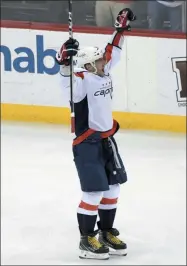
[(94, 242), (113, 239)]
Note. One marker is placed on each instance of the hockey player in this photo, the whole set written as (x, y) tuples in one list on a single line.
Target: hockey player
[(98, 163)]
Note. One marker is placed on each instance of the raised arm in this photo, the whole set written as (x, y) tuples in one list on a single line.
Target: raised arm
[(79, 89), (70, 48), (113, 49)]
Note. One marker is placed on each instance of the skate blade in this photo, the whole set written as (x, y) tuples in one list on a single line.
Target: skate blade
[(118, 252), (84, 254)]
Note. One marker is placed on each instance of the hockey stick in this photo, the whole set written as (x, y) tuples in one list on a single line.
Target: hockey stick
[(71, 69)]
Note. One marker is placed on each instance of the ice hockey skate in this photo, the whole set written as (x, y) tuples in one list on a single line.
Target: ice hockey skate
[(91, 248), (116, 246)]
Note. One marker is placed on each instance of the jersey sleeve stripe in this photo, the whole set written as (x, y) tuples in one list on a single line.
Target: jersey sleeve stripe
[(116, 39), (80, 75), (108, 52)]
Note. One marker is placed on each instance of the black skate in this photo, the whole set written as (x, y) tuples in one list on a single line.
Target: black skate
[(91, 248), (116, 246)]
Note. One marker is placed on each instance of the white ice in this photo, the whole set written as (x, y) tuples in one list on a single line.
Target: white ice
[(40, 193)]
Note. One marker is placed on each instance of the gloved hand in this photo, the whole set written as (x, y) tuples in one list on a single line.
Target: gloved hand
[(68, 49), (123, 20)]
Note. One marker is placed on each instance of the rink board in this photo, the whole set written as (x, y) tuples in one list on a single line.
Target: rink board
[(60, 115), (148, 82)]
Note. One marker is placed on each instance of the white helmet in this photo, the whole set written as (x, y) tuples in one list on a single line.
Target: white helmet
[(88, 55)]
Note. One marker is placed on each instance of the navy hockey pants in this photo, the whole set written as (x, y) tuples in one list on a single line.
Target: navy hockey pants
[(98, 163)]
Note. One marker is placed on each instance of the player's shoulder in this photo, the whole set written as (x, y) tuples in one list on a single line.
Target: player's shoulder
[(80, 72)]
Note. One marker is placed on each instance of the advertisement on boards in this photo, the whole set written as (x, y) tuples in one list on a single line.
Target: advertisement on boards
[(180, 69), (26, 60), (29, 73)]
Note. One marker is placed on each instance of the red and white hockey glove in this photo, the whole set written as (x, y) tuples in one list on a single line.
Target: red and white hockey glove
[(68, 49), (123, 20)]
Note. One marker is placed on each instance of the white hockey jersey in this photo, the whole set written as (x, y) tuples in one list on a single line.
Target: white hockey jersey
[(92, 94)]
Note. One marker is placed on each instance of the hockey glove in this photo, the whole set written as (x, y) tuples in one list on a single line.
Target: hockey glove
[(68, 49), (123, 20)]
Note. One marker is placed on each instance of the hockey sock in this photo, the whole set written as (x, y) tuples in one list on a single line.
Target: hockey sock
[(87, 212), (106, 219), (86, 223), (107, 207)]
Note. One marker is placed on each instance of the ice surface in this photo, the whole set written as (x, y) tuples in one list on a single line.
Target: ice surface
[(40, 193)]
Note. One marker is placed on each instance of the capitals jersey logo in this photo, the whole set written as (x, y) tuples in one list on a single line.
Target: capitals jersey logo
[(107, 89), (104, 92)]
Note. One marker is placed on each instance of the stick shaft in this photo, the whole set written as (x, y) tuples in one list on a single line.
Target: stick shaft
[(71, 68)]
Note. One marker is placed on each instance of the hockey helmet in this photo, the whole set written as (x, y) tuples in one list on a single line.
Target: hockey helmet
[(89, 55)]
